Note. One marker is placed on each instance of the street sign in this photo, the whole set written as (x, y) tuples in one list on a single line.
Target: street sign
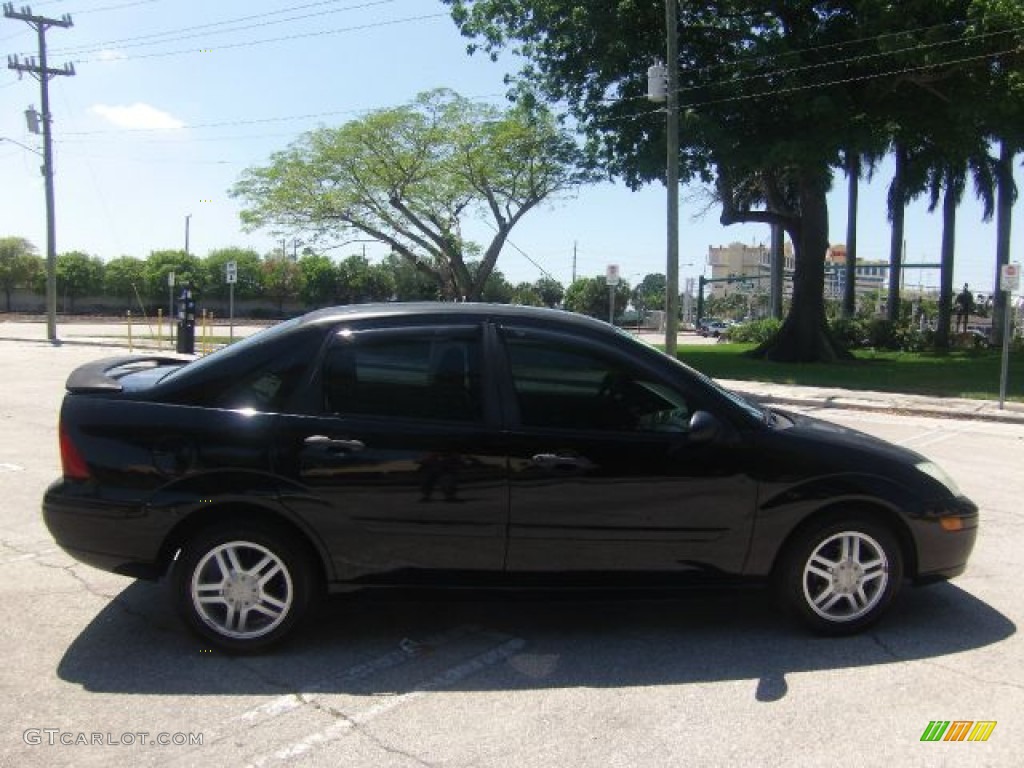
[(170, 279), (611, 275), (231, 272), (1009, 278)]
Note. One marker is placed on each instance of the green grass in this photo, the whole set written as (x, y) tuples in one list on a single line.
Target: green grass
[(958, 374)]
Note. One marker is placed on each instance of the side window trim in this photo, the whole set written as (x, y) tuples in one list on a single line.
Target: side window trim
[(513, 416), (470, 335)]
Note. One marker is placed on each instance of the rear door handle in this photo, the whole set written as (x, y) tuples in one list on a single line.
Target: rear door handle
[(332, 445), (560, 461)]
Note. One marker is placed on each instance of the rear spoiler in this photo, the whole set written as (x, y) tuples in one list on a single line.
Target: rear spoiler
[(102, 375)]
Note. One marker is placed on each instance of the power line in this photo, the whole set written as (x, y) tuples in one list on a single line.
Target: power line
[(822, 65), (852, 79), (117, 7), (176, 35), (854, 59), (283, 38)]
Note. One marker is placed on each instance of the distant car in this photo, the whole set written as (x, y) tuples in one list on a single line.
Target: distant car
[(714, 328), (440, 445)]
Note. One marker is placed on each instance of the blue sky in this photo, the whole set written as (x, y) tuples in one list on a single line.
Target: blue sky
[(170, 104)]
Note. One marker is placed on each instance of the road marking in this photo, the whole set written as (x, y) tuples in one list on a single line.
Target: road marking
[(307, 692), (447, 678), (27, 556)]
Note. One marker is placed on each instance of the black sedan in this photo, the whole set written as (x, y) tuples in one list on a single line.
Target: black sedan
[(439, 445)]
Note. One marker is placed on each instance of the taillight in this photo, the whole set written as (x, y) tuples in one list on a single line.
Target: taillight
[(71, 460)]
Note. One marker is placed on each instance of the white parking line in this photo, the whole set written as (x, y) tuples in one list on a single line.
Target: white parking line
[(447, 678), (307, 693)]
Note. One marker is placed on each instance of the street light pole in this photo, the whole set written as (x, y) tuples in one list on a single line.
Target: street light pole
[(187, 217)]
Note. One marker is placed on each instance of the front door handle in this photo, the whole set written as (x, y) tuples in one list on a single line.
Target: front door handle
[(332, 445), (560, 461)]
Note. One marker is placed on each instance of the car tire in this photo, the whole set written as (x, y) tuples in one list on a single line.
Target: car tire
[(840, 575), (243, 586)]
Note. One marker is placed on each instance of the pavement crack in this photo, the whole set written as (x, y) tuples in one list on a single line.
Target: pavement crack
[(117, 600), (353, 724), (946, 668), (974, 677), (885, 647)]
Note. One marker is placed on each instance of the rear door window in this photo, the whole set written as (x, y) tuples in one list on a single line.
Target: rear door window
[(432, 374)]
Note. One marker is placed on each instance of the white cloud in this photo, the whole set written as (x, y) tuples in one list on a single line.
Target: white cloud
[(109, 55), (138, 116)]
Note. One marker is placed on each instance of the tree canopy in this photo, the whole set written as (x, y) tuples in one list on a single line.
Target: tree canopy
[(19, 265), (772, 97), (413, 176)]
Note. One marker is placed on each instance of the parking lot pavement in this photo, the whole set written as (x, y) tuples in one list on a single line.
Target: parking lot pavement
[(710, 679)]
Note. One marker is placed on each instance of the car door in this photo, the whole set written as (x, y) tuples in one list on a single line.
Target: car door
[(396, 459), (604, 472)]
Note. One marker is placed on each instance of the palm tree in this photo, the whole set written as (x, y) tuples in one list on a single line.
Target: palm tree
[(1006, 197), (947, 180)]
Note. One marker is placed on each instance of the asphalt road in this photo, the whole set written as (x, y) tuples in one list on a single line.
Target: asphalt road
[(711, 679)]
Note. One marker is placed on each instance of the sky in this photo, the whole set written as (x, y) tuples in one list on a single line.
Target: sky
[(173, 99)]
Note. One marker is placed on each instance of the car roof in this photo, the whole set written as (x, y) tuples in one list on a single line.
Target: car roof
[(437, 309)]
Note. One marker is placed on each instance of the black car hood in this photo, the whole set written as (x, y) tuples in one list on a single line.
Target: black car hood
[(835, 435)]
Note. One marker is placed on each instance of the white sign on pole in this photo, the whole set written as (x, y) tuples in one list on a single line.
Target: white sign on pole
[(231, 272), (611, 276), (1009, 278), (170, 279)]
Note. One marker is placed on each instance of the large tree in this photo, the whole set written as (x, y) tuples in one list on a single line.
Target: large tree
[(413, 176), (124, 278), (19, 265), (772, 95), (78, 274), (592, 296), (248, 273)]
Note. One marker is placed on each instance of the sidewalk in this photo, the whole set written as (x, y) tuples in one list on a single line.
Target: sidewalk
[(113, 335), (885, 402)]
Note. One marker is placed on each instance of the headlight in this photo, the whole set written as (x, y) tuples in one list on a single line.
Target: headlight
[(937, 473)]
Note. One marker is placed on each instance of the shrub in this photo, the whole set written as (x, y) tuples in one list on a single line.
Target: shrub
[(755, 332), (852, 333)]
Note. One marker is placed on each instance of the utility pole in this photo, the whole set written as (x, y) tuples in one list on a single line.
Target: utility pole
[(43, 73), (672, 177)]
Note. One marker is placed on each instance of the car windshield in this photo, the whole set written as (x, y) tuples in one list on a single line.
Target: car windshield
[(238, 348)]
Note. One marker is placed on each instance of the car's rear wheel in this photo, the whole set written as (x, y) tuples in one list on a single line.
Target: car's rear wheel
[(840, 575), (243, 587)]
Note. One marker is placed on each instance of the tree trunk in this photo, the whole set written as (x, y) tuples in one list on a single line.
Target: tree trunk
[(804, 336), (1004, 217), (897, 210), (853, 188), (950, 200)]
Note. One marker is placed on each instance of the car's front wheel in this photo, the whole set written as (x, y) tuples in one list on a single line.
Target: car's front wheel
[(839, 576), (242, 587)]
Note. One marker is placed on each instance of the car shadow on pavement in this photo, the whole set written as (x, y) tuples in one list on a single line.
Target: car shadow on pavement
[(363, 646)]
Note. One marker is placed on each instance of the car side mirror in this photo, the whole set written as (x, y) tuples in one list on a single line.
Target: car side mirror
[(704, 427)]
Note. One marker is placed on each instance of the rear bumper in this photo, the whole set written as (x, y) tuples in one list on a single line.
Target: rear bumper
[(117, 537)]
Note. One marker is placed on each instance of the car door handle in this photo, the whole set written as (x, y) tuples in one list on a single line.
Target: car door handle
[(331, 445), (560, 461)]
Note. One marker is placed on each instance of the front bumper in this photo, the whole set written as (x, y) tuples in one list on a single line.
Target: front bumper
[(943, 552)]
